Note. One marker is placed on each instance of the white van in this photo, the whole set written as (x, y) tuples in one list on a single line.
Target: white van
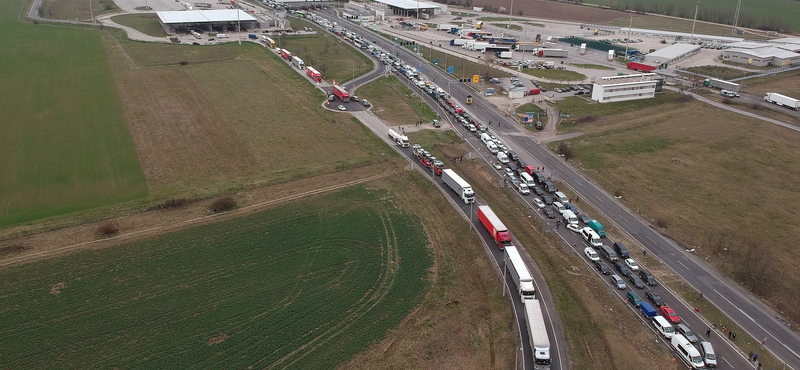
[(664, 327), (687, 352), (527, 179), (561, 197), (492, 147), (502, 157), (559, 207), (707, 352), (485, 138), (222, 36), (569, 217)]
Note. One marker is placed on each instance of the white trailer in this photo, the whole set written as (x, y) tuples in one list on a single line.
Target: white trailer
[(721, 84), (298, 63), (537, 334), (519, 273), (610, 55), (583, 48), (458, 42), (477, 46), (458, 185), (445, 27), (506, 54), (782, 100), (527, 47), (401, 140)]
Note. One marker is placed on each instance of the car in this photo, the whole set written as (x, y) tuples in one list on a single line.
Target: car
[(619, 266), (574, 228), (341, 107), (636, 281), (549, 213), (538, 202), (591, 254), (647, 277), (557, 89), (632, 265), (497, 166), (368, 104), (508, 171), (602, 267), (688, 333), (670, 314), (537, 190), (655, 298), (617, 282), (521, 163), (513, 155), (435, 122), (331, 97), (583, 218), (547, 199), (581, 92), (355, 98)]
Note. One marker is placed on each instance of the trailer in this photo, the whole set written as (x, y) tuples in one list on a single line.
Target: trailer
[(298, 63), (610, 55), (496, 49), (314, 74), (401, 140), (583, 48), (519, 273), (721, 84), (341, 93), (446, 27), (478, 45), (504, 54), (285, 54), (641, 67), (458, 42), (553, 53), (494, 226), (537, 334), (527, 47), (503, 40), (458, 185), (647, 310), (782, 100)]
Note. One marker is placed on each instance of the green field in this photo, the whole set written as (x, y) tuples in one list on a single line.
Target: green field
[(555, 74), (577, 107), (302, 286), (764, 14), (76, 9), (395, 103), (146, 23), (65, 144)]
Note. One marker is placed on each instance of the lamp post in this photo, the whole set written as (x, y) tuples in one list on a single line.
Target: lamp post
[(695, 17), (627, 39)]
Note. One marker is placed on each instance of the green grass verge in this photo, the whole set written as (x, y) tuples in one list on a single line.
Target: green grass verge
[(500, 19), (66, 146), (508, 26), (591, 66), (395, 103), (530, 108), (555, 74), (75, 9), (723, 73), (578, 106), (462, 68), (462, 14), (305, 285), (534, 24), (146, 23)]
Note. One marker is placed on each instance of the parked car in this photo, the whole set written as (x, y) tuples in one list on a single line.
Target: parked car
[(341, 107), (619, 266), (632, 265), (537, 190), (602, 267), (617, 282), (688, 333), (647, 277), (636, 281), (368, 104), (574, 228), (547, 199), (670, 314), (583, 218), (538, 202), (331, 97), (591, 254), (655, 298), (435, 122), (497, 166), (549, 213)]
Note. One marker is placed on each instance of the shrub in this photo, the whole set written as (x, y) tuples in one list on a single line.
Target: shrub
[(727, 101), (661, 222), (617, 193), (223, 204), (11, 249), (107, 228), (183, 63), (173, 203), (587, 119), (564, 149), (684, 98)]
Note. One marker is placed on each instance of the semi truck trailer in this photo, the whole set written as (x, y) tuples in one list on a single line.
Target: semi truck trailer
[(519, 273), (494, 226), (313, 73), (341, 93), (553, 53), (401, 140), (298, 63), (458, 42), (285, 54), (721, 84), (782, 100), (537, 333), (458, 185), (642, 67)]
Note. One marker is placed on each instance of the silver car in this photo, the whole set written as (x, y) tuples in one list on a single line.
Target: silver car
[(617, 282)]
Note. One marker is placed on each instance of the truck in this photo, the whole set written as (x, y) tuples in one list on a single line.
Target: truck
[(401, 140), (458, 185), (494, 226), (583, 48), (519, 273), (496, 49), (458, 42), (641, 67), (527, 47), (341, 93), (477, 45), (782, 100), (721, 84), (479, 25), (537, 334), (298, 63), (553, 53), (446, 27), (610, 55), (314, 74), (285, 54), (503, 40), (505, 54)]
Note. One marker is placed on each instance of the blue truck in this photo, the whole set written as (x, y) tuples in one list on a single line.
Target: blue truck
[(647, 310)]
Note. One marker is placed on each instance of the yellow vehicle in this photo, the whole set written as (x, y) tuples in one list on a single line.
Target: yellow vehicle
[(479, 24), (469, 99)]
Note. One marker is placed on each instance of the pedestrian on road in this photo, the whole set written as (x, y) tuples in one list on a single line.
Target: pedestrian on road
[(750, 356), (729, 334), (577, 198), (755, 357), (558, 224), (644, 253), (708, 334), (734, 337)]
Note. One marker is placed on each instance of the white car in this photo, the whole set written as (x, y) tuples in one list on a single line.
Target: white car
[(590, 236), (632, 265), (591, 254), (341, 107), (574, 227), (538, 202), (498, 166)]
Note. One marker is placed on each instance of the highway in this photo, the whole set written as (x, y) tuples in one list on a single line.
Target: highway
[(759, 320)]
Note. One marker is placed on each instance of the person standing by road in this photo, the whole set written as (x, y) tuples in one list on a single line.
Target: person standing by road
[(708, 334)]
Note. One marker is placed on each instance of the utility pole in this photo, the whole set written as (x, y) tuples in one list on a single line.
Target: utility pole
[(627, 39), (695, 17), (736, 17)]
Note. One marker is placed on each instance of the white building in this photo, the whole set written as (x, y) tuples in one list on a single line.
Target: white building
[(672, 53), (628, 87)]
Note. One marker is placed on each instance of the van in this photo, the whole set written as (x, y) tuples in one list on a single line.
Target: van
[(539, 177), (561, 197), (527, 179), (707, 352), (502, 157), (664, 327), (634, 298), (687, 352), (598, 228), (609, 253), (492, 147), (485, 138), (621, 250), (550, 188), (569, 217), (558, 207)]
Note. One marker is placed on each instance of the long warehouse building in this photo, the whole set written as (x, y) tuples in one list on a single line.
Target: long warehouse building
[(221, 20)]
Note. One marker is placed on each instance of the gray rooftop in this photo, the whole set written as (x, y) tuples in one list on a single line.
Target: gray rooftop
[(673, 51)]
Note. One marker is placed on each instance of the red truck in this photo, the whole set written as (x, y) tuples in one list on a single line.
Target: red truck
[(535, 91), (641, 67), (341, 93), (311, 72), (285, 54), (494, 226)]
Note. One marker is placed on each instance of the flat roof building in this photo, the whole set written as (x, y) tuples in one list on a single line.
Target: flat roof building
[(763, 56), (408, 8), (672, 53), (208, 20), (622, 88)]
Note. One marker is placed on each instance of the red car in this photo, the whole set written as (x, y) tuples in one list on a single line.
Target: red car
[(670, 314)]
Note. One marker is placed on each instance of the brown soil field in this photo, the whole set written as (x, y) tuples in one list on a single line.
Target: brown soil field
[(557, 11)]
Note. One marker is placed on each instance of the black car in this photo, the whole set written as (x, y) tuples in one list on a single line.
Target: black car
[(547, 199), (602, 267), (512, 166), (655, 298), (636, 281), (647, 277), (623, 270), (583, 218), (521, 163), (513, 156), (537, 190), (549, 212)]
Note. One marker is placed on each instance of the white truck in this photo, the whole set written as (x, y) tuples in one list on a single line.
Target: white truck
[(721, 84), (506, 54), (458, 42), (610, 55), (446, 27), (401, 140), (519, 273), (583, 48), (782, 100), (477, 46), (298, 63), (537, 334), (458, 185)]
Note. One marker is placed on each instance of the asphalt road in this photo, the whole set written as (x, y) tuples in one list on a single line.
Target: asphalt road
[(759, 320)]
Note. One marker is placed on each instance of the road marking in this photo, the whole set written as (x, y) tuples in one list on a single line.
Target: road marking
[(681, 263), (726, 361)]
